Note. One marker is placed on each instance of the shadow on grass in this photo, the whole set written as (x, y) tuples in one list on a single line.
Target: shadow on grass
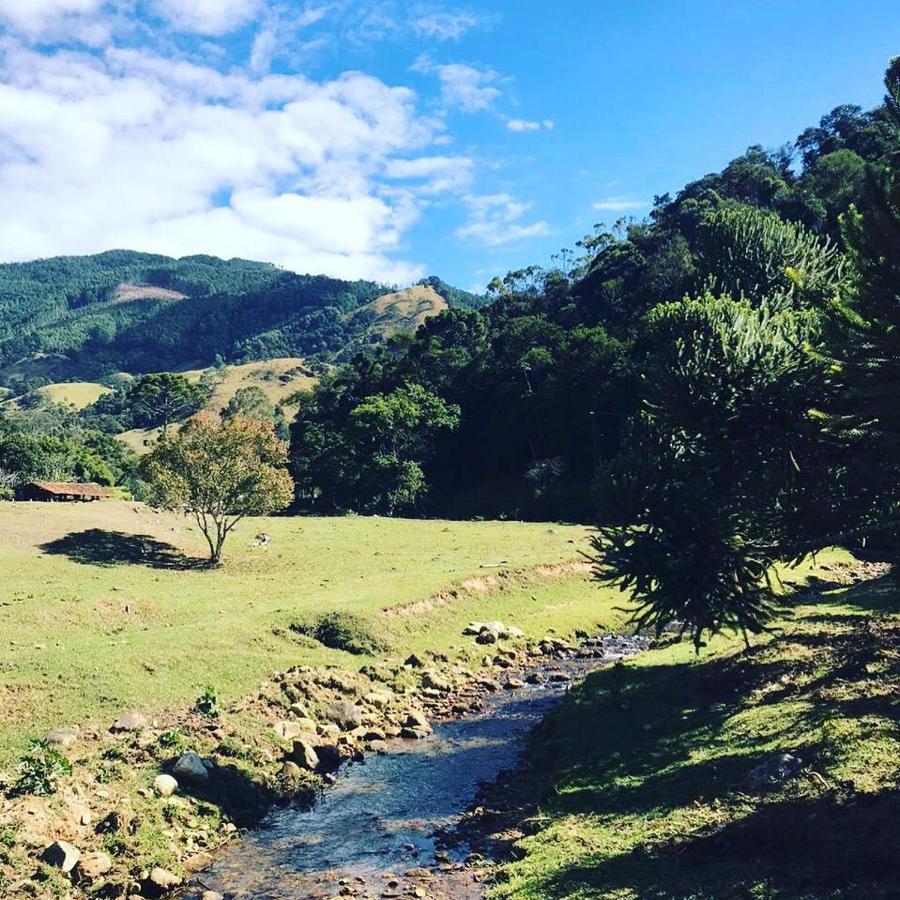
[(655, 742), (807, 848), (99, 547)]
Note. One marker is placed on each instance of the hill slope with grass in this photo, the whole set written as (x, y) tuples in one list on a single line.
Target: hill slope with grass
[(771, 773), (112, 596), (81, 318)]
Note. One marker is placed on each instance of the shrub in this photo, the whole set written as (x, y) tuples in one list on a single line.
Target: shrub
[(342, 631), (40, 769), (207, 703)]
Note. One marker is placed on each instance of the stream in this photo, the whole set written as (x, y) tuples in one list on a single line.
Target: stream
[(379, 819)]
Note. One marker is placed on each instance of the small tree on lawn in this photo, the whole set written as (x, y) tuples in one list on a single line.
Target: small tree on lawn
[(218, 472)]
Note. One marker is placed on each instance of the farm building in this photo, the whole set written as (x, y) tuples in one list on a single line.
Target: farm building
[(62, 492)]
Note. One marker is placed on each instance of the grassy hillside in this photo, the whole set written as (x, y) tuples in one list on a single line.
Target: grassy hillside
[(100, 609), (277, 378), (649, 791), (74, 393), (87, 317)]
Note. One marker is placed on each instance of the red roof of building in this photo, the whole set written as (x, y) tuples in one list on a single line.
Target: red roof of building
[(73, 488)]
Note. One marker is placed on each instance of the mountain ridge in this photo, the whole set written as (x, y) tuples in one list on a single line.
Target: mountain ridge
[(87, 317)]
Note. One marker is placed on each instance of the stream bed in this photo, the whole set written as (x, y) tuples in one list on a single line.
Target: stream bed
[(378, 821)]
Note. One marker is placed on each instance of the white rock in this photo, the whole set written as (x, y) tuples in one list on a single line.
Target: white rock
[(165, 785)]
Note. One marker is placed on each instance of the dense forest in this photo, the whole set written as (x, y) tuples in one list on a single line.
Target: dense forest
[(102, 315), (548, 375)]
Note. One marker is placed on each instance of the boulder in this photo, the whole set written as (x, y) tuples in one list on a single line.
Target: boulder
[(61, 737), (299, 710), (330, 757), (774, 770), (305, 756), (378, 699), (414, 734), (163, 879), (413, 662), (130, 721), (436, 682), (344, 714), (513, 684), (190, 768), (61, 855), (417, 720), (287, 731), (92, 866), (165, 785), (486, 637), (211, 895)]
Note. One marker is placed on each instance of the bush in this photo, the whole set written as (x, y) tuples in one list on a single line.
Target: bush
[(207, 703), (40, 769), (342, 631)]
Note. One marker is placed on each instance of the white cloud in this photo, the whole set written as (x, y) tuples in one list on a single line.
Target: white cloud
[(212, 17), (436, 174), (462, 86), (620, 204), (522, 125), (131, 149), (494, 220), (445, 26), (65, 21)]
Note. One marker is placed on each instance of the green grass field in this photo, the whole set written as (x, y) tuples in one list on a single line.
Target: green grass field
[(101, 611), (74, 393), (647, 791)]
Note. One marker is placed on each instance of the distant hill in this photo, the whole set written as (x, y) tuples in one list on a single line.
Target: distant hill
[(88, 317)]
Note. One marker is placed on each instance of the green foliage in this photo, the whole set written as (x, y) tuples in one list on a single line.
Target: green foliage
[(754, 254), (251, 402), (341, 630), (717, 468), (219, 472), (162, 398), (171, 740), (40, 770), (208, 704)]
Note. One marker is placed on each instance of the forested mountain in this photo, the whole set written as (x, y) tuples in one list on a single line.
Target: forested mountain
[(544, 394), (136, 312)]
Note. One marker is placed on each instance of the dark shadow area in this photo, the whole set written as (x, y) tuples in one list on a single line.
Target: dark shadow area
[(98, 547), (810, 849), (645, 742)]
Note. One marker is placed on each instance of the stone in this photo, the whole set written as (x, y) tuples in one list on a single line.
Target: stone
[(414, 734), (486, 637), (413, 662), (211, 895), (130, 721), (61, 855), (378, 699), (535, 678), (299, 710), (474, 628), (436, 682), (344, 714), (165, 785), (774, 770), (61, 737), (92, 866), (290, 771), (304, 755), (287, 731), (416, 719), (163, 879), (190, 768), (198, 862), (330, 757), (513, 684)]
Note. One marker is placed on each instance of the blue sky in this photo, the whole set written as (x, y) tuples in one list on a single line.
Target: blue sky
[(396, 138)]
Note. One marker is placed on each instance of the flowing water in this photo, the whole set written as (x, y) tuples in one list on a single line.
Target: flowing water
[(381, 815)]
